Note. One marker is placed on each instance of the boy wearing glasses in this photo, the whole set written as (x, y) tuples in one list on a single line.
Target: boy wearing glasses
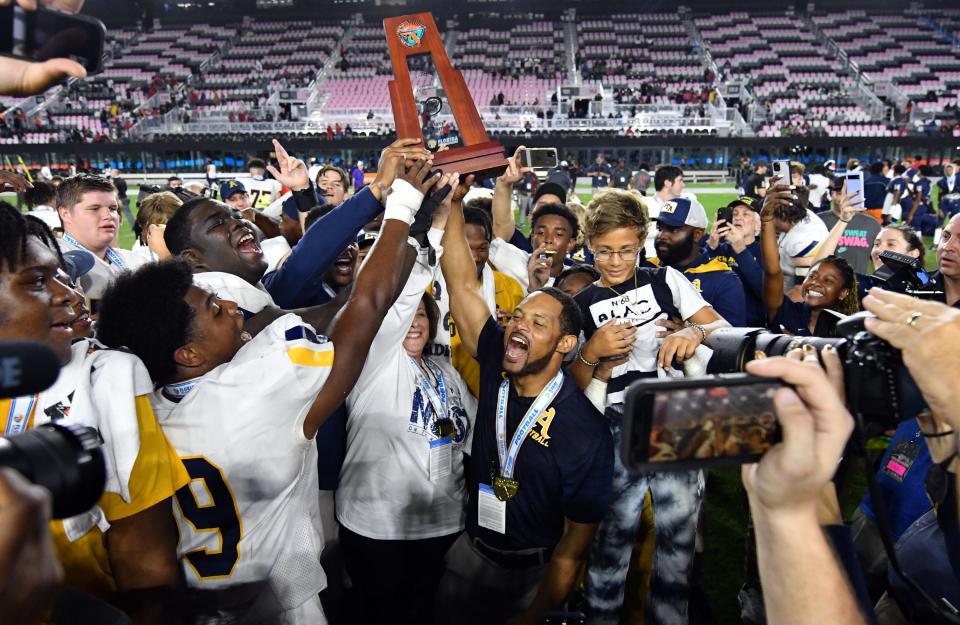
[(623, 314)]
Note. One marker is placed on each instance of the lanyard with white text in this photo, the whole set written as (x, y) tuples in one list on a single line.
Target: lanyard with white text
[(112, 256), (508, 458), (437, 400)]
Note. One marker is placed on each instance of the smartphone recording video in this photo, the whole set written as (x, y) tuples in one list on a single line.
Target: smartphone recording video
[(781, 169), (46, 34), (725, 213), (539, 158), (716, 421), (855, 185)]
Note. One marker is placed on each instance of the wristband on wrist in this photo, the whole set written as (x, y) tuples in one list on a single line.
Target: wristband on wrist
[(585, 361), (403, 203)]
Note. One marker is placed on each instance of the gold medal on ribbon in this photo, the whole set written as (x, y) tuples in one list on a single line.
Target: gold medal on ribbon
[(445, 427), (504, 488)]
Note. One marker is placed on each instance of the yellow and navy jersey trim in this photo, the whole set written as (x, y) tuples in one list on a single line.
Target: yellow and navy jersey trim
[(308, 349)]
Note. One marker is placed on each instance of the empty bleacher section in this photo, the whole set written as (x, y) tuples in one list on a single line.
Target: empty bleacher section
[(831, 73)]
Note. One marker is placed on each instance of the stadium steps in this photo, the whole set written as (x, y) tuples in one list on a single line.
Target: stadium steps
[(571, 45), (318, 98)]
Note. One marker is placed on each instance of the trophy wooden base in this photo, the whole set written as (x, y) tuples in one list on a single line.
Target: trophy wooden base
[(484, 160)]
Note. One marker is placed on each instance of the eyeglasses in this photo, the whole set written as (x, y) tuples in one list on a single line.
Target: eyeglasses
[(627, 254)]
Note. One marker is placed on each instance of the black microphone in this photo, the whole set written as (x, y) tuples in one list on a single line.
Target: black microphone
[(26, 367)]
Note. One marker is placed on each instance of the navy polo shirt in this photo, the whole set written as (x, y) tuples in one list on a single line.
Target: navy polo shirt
[(565, 465)]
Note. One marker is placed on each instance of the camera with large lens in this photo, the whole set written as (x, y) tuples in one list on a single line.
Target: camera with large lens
[(903, 274), (878, 386), (65, 459)]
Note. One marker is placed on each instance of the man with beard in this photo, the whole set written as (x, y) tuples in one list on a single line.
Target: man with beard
[(534, 503), (680, 228)]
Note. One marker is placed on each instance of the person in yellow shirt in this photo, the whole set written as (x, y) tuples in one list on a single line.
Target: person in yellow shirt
[(124, 550), (500, 291)]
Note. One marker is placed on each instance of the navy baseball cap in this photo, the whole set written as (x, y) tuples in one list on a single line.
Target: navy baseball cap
[(230, 187), (551, 188), (77, 263), (680, 212), (367, 238)]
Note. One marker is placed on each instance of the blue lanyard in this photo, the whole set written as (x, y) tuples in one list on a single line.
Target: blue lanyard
[(437, 397), (179, 390), (508, 457), (112, 256)]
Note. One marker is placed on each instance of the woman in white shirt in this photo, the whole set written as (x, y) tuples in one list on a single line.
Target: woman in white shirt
[(400, 501)]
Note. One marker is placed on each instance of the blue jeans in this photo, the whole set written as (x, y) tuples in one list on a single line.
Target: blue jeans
[(676, 506)]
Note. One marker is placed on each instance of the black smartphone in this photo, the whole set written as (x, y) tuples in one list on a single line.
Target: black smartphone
[(713, 421), (48, 34), (726, 214)]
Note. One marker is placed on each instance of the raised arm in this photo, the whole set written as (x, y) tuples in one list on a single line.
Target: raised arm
[(847, 212), (380, 279), (460, 274), (299, 277), (778, 195), (504, 222)]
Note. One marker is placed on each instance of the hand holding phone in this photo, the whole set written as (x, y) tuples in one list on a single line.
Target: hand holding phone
[(781, 169), (540, 158), (48, 46), (815, 427), (696, 423)]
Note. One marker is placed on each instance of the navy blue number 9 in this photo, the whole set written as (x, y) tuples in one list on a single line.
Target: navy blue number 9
[(219, 515)]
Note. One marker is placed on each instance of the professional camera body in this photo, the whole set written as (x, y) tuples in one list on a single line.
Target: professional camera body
[(903, 274), (878, 386), (65, 459)]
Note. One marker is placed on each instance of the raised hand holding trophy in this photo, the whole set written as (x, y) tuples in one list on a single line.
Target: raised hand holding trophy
[(417, 35)]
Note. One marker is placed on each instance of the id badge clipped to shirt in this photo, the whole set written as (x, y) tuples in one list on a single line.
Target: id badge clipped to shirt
[(491, 512), (441, 458), (901, 459)]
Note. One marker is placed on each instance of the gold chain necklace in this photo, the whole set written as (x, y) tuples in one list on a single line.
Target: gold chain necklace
[(632, 303)]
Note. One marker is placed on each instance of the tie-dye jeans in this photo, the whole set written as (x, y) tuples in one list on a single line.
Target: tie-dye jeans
[(676, 506)]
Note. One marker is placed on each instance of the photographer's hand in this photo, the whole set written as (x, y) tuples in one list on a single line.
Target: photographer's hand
[(816, 426), (29, 571), (20, 78), (801, 578), (930, 344)]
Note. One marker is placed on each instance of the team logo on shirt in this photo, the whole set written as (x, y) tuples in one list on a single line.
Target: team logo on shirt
[(411, 34), (541, 429), (422, 422)]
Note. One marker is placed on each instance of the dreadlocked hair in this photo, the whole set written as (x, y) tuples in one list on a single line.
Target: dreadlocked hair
[(15, 230), (851, 303)]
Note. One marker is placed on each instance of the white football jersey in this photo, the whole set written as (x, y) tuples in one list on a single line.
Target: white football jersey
[(250, 515), (97, 388), (263, 191), (385, 490)]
